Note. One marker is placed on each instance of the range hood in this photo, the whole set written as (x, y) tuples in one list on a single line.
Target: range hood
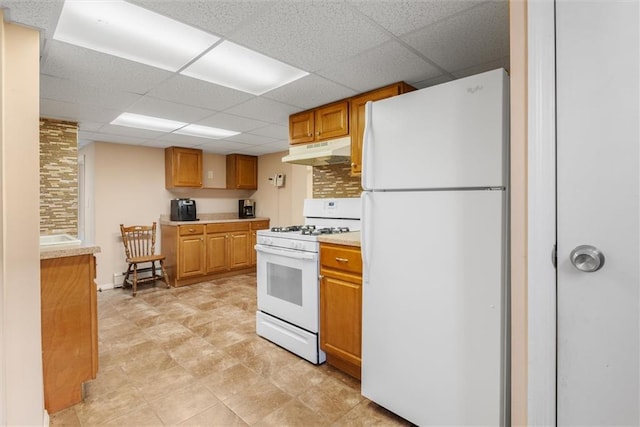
[(320, 153)]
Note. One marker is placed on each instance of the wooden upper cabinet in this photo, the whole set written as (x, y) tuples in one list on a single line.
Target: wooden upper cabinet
[(182, 167), (327, 122), (301, 127), (242, 172), (332, 121), (358, 118)]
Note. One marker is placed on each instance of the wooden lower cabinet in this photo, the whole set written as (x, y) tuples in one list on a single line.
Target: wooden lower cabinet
[(255, 226), (341, 306), (69, 316), (200, 251)]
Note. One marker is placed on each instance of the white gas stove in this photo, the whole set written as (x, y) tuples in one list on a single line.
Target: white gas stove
[(287, 275)]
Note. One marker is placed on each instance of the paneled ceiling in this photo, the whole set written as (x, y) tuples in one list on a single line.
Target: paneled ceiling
[(348, 47)]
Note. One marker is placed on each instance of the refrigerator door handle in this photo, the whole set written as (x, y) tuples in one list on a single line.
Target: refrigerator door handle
[(367, 142), (365, 220)]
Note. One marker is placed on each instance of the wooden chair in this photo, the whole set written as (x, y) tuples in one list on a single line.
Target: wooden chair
[(139, 246)]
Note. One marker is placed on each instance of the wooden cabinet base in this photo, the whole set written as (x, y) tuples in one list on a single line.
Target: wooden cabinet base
[(344, 366), (192, 280), (69, 328)]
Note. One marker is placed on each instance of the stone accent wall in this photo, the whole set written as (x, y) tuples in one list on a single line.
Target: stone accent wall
[(58, 177), (335, 181)]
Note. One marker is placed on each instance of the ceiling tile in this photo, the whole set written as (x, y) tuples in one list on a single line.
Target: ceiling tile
[(232, 122), (264, 110), (99, 69), (198, 93), (141, 134), (222, 146), (473, 37), (75, 112), (432, 82), (311, 91), (247, 138), (89, 126), (38, 14), (259, 150), (82, 93), (310, 35), (402, 16), (217, 17), (481, 68), (382, 65), (273, 131), (105, 137), (155, 107)]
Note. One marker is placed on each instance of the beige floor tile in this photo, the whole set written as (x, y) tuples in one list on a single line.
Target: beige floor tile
[(232, 380), (293, 413), (368, 414), (216, 416), (257, 402), (163, 382), (66, 417), (141, 415), (181, 405), (191, 356), (331, 398)]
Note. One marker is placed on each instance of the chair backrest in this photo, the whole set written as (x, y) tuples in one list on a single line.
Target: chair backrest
[(139, 240)]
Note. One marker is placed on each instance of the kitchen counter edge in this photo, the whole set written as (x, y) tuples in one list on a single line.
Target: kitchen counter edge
[(61, 251), (212, 221), (351, 238)]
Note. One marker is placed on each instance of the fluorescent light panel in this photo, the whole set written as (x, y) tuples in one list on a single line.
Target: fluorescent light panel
[(206, 132), (163, 125), (118, 28), (237, 67)]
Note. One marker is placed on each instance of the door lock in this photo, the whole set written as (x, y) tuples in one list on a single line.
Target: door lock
[(587, 258)]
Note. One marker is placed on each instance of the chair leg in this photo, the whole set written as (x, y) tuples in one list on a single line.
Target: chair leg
[(154, 276), (164, 274), (135, 280), (126, 276)]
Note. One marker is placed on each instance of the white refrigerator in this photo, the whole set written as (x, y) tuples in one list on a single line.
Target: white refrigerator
[(435, 253)]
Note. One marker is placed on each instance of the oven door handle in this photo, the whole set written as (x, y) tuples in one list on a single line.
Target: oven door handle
[(286, 252)]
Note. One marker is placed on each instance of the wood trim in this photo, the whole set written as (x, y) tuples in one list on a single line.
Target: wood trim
[(518, 211)]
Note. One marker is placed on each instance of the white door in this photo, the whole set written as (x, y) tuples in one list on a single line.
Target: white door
[(598, 195)]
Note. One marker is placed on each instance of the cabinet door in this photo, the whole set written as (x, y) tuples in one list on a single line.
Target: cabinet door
[(191, 256), (242, 172), (332, 121), (217, 252), (341, 316), (358, 122), (301, 127), (239, 250), (183, 167), (256, 225)]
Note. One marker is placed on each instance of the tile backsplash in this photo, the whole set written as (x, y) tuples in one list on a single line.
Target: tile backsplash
[(58, 177), (335, 181)]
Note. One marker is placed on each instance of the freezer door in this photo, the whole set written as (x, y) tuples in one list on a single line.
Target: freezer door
[(434, 297), (452, 135)]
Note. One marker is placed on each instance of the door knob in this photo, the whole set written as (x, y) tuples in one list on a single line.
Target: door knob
[(587, 258)]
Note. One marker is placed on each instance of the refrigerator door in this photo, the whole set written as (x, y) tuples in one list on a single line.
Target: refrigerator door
[(433, 315), (453, 135)]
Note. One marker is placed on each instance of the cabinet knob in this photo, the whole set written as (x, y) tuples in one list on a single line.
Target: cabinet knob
[(320, 277), (353, 165), (342, 259), (191, 230), (309, 134)]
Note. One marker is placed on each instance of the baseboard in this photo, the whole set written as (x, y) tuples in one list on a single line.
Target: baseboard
[(45, 419)]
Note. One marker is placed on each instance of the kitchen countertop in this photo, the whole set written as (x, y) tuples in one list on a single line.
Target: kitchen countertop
[(351, 238), (61, 251), (210, 219)]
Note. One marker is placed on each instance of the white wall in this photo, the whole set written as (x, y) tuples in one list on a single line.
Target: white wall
[(282, 204), (21, 387), (125, 185)]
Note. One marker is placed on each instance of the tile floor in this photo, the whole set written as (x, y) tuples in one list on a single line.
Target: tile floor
[(190, 356)]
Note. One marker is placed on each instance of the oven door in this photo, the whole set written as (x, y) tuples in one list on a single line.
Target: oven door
[(288, 285)]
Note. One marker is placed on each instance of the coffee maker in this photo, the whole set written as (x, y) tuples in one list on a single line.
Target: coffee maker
[(246, 208)]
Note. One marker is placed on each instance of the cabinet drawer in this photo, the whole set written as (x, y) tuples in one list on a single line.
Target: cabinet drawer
[(227, 226), (339, 257), (188, 230), (259, 225)]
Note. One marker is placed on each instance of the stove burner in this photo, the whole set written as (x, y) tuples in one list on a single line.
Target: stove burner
[(287, 229), (326, 230)]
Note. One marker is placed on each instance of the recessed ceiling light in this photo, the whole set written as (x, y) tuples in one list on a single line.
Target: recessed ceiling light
[(147, 122), (128, 31), (206, 132), (237, 67)]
